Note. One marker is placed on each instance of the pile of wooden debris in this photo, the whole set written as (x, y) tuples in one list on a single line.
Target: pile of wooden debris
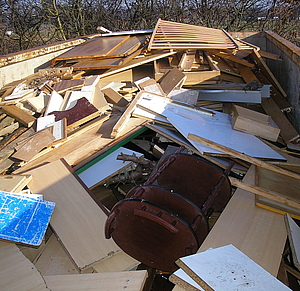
[(63, 128)]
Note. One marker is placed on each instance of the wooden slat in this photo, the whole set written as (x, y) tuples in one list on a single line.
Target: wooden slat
[(77, 220), (129, 281), (19, 114), (243, 156), (174, 35)]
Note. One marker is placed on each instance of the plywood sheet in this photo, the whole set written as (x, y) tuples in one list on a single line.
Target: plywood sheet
[(78, 221), (14, 183), (17, 272), (117, 281)]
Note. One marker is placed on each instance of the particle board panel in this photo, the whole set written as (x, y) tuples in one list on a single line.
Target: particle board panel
[(54, 260), (258, 233), (117, 281), (78, 220), (227, 268), (17, 272)]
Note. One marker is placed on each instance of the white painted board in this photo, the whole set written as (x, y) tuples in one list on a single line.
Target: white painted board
[(215, 127), (227, 268), (218, 129), (106, 167)]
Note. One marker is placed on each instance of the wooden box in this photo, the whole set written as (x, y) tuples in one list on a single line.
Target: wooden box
[(253, 122), (283, 186)]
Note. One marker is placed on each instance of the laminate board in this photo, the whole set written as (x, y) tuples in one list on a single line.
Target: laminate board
[(78, 220), (117, 281), (17, 272), (106, 168), (14, 183), (95, 47)]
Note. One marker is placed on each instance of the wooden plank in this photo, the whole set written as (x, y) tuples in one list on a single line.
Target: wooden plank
[(20, 115), (293, 232), (201, 124), (227, 268), (125, 116), (78, 221), (17, 272), (266, 71), (131, 281), (254, 122), (14, 183), (287, 131)]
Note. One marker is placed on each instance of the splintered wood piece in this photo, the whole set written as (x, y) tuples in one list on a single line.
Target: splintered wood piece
[(174, 78), (130, 281), (78, 220), (17, 272), (287, 131), (14, 183), (82, 112), (20, 115), (114, 97), (27, 150), (227, 268)]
